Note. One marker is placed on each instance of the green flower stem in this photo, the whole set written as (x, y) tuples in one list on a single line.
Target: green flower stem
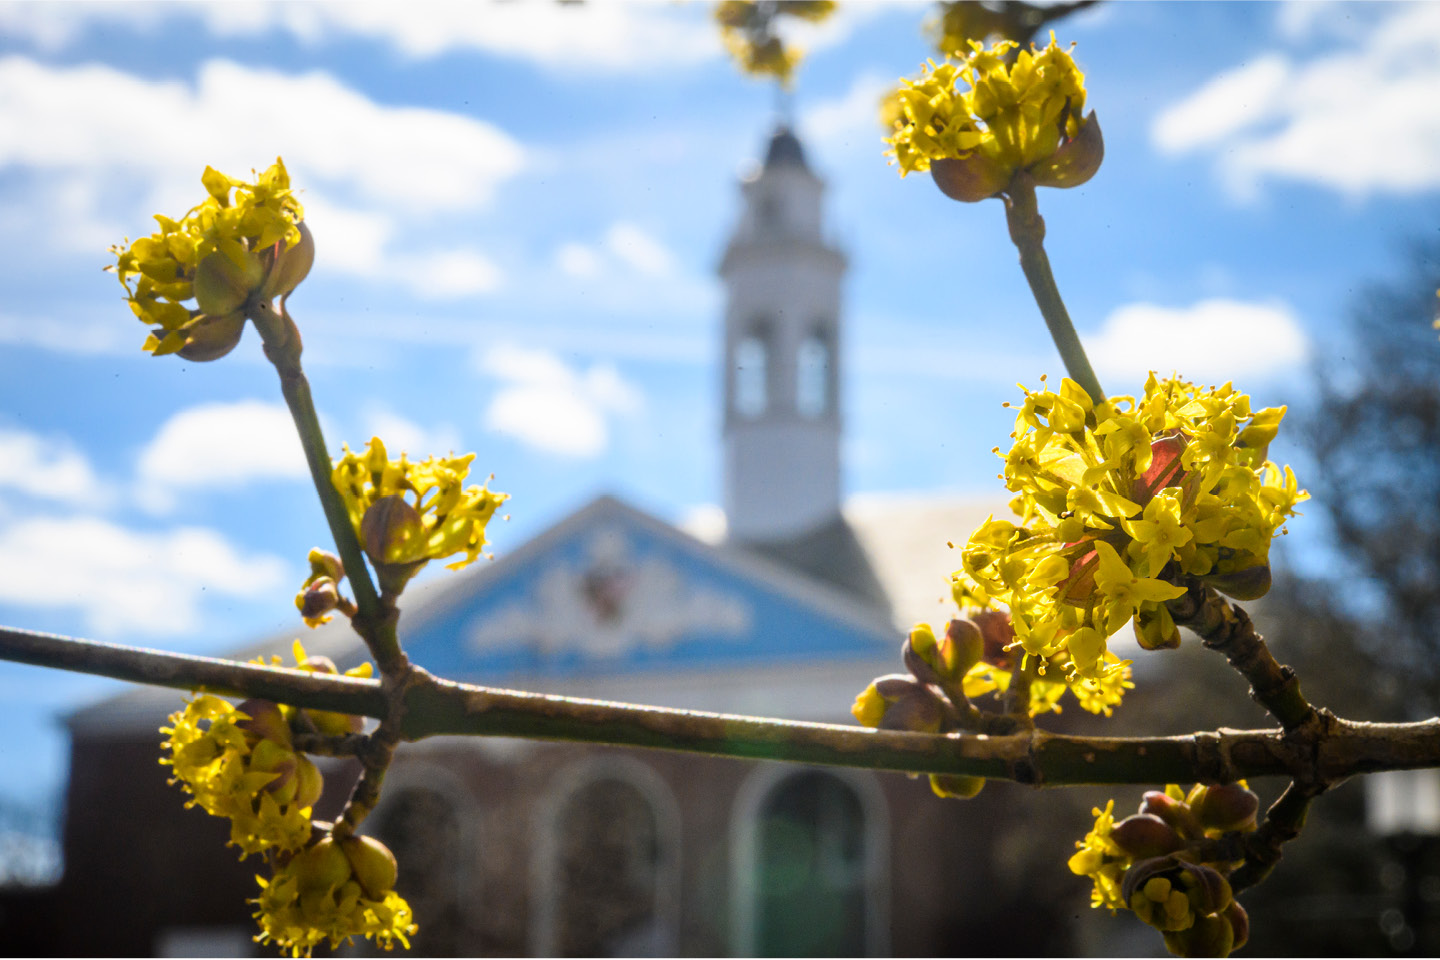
[(375, 619), (431, 707), (1027, 230)]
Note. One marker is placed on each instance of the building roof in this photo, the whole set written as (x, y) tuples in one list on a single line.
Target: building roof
[(785, 150)]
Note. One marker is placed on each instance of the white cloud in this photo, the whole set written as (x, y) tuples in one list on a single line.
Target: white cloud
[(92, 172), (68, 334), (48, 468), (402, 435), (219, 446), (633, 246), (1358, 118), (852, 115), (236, 117), (124, 581), (360, 243), (1212, 340), (578, 260), (617, 38), (544, 403)]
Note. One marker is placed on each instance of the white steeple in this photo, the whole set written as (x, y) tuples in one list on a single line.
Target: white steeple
[(782, 349)]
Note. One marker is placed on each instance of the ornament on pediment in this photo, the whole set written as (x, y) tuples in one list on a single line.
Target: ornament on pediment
[(616, 600)]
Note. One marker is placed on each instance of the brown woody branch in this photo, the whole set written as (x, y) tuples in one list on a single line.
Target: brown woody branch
[(435, 707)]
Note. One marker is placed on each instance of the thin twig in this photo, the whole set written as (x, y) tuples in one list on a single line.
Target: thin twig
[(374, 620), (1027, 230)]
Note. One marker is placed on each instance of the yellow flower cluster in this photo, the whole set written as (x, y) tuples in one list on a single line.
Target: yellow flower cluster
[(334, 891), (1099, 695), (239, 764), (1012, 117), (747, 29), (223, 252), (1147, 864), (1122, 504), (409, 513)]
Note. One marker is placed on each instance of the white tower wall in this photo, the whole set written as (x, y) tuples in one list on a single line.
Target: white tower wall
[(781, 354)]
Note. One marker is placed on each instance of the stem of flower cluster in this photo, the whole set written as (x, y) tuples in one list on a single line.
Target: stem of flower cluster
[(374, 620), (1027, 230)]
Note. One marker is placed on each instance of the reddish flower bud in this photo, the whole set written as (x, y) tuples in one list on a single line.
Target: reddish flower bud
[(1227, 807), (997, 632), (1075, 162), (969, 179), (264, 721), (1145, 835), (1165, 467)]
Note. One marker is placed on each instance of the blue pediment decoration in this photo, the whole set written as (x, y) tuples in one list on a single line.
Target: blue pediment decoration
[(611, 591)]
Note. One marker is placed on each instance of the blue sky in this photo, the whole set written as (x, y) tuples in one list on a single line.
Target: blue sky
[(518, 210)]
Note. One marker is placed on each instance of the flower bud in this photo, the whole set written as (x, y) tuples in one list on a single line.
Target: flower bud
[(1227, 807), (210, 338), (945, 660), (1145, 835), (223, 285), (374, 865), (317, 600), (1239, 924), (323, 563), (1209, 936), (1252, 583), (321, 868), (963, 646), (997, 633), (898, 702), (970, 179), (287, 266), (1165, 468), (1076, 161), (1174, 812), (391, 531), (956, 786), (264, 721), (308, 781), (1155, 628)]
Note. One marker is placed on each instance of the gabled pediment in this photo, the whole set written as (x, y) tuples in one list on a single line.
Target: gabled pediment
[(611, 590)]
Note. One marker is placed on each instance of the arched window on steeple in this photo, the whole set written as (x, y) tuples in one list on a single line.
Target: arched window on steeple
[(752, 374), (812, 376)]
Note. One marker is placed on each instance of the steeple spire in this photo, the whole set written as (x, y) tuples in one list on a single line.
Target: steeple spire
[(781, 354)]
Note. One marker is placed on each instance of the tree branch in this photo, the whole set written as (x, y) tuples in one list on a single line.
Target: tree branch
[(435, 707)]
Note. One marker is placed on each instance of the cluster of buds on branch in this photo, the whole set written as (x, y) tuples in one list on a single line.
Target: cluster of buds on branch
[(241, 762), (1159, 863)]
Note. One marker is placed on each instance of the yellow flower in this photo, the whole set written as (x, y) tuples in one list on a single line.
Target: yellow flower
[(407, 514), (258, 782), (243, 241), (1101, 859), (1028, 116), (748, 31), (324, 893), (1111, 497)]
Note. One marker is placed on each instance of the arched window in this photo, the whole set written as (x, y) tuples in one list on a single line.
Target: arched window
[(812, 376), (606, 878), (752, 375), (813, 867), (423, 830)]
